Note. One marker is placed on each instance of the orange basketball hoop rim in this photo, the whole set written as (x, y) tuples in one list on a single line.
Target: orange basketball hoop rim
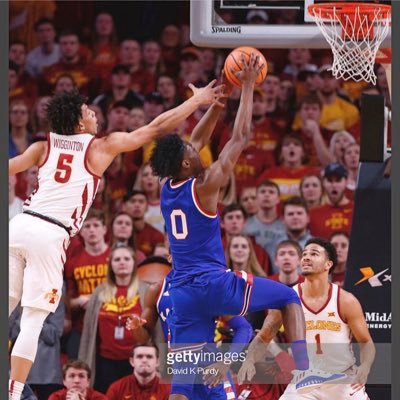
[(355, 32), (357, 19)]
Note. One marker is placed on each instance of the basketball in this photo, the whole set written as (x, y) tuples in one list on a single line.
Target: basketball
[(234, 61)]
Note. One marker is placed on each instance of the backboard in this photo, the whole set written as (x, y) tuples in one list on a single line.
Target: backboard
[(257, 23)]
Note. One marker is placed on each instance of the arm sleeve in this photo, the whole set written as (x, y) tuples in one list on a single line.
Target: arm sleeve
[(243, 332)]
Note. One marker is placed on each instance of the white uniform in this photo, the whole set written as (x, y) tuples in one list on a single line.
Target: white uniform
[(329, 349), (65, 192)]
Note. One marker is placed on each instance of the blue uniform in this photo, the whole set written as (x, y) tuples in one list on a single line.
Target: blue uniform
[(201, 288), (200, 391)]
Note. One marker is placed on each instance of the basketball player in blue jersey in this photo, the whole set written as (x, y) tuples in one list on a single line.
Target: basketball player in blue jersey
[(200, 286), (157, 304)]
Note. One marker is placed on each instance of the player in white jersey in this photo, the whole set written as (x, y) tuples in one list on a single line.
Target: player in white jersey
[(71, 163), (333, 316)]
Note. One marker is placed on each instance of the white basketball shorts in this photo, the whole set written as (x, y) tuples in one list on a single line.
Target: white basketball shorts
[(36, 261)]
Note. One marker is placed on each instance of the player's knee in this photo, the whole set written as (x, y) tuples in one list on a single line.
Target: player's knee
[(31, 325)]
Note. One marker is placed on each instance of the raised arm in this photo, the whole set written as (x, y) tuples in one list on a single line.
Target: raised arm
[(205, 127), (33, 155), (215, 176), (105, 149)]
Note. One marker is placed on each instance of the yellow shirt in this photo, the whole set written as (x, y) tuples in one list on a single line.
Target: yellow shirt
[(338, 116)]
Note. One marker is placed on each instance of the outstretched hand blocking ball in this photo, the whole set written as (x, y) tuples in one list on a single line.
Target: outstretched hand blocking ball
[(233, 61)]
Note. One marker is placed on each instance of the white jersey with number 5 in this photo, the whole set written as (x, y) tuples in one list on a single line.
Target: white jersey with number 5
[(328, 336), (66, 187)]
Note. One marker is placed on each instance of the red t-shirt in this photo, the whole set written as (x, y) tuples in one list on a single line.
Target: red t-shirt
[(288, 179), (142, 82), (146, 239), (83, 273), (309, 147), (90, 395), (129, 388), (251, 163), (115, 341), (259, 391), (327, 219)]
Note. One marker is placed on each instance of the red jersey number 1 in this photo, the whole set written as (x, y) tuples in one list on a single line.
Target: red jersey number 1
[(63, 172)]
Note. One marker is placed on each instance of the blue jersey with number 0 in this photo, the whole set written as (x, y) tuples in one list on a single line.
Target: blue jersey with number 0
[(194, 235)]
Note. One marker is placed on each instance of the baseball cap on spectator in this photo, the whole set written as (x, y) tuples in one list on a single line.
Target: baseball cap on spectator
[(120, 68), (325, 69), (190, 52), (154, 97), (120, 103), (309, 69), (256, 14), (335, 169)]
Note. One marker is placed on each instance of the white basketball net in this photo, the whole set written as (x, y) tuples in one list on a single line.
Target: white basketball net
[(354, 51)]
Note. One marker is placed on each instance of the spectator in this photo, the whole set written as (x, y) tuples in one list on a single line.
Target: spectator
[(45, 376), (14, 202), (130, 54), (296, 219), (311, 82), (315, 137), (122, 229), (104, 44), (73, 63), (233, 221), (152, 57), (118, 117), (337, 213), (145, 236), (266, 226), (39, 123), (47, 52), (292, 166), (287, 259), (76, 379), (240, 256), (341, 242), (191, 71), (105, 343), (64, 83), (209, 64), (120, 90), (17, 54), (311, 190), (137, 118), (337, 113), (339, 142), (278, 117), (167, 88), (20, 137), (257, 17), (382, 84), (17, 88), (153, 106), (351, 160), (144, 382), (83, 272), (147, 182), (170, 49), (287, 99), (248, 200), (299, 59)]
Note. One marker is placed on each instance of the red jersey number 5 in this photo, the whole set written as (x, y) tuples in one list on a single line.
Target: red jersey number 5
[(63, 172)]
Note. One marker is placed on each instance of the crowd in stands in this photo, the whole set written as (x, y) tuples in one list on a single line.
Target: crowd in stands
[(295, 180)]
